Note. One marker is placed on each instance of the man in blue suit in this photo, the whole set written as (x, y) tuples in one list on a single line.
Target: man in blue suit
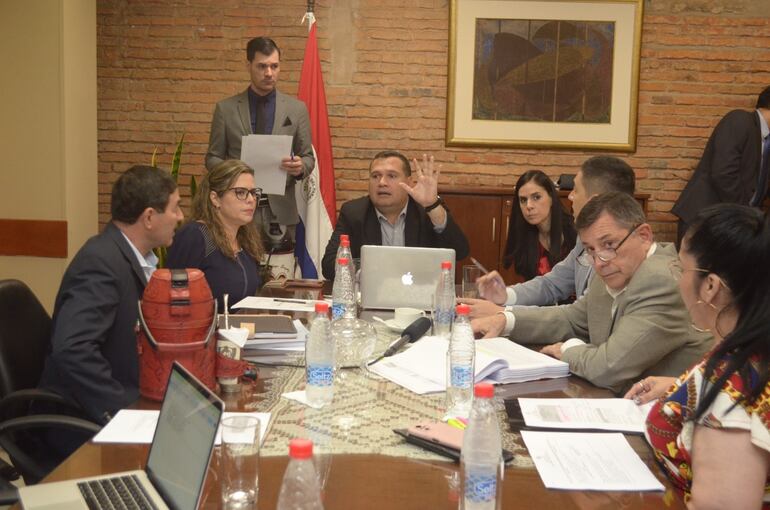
[(93, 360)]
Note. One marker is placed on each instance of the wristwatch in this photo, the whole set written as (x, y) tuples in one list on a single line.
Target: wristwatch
[(439, 201)]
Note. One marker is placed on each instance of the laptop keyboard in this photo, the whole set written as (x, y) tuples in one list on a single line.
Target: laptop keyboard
[(119, 492)]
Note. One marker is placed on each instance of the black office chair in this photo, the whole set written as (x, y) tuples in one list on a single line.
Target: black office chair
[(25, 331)]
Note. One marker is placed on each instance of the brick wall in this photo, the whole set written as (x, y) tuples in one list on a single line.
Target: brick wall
[(162, 65)]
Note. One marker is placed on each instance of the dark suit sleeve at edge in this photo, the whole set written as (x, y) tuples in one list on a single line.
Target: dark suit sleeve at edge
[(453, 237), (84, 318)]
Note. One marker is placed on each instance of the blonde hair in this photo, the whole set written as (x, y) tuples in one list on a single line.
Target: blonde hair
[(219, 179)]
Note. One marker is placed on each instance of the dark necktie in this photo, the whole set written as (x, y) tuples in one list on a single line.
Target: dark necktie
[(764, 169), (260, 114)]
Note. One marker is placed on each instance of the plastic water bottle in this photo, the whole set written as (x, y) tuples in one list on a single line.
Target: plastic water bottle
[(461, 357), (444, 301), (300, 489), (343, 252), (319, 358), (481, 453), (343, 292)]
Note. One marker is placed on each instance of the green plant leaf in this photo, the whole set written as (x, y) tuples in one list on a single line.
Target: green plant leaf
[(177, 159), (193, 186)]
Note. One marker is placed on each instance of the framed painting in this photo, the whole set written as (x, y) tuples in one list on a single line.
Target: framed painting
[(544, 73)]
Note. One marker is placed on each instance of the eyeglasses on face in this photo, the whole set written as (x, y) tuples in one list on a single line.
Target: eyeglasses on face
[(675, 266), (606, 254), (242, 193)]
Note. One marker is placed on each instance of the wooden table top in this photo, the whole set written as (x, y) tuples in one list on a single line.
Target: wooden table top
[(373, 481)]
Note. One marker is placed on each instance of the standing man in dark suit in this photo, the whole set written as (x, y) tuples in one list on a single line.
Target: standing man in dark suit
[(734, 165), (261, 109), (93, 360), (395, 213)]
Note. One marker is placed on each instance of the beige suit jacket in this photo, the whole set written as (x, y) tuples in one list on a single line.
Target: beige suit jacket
[(649, 334), (232, 121)]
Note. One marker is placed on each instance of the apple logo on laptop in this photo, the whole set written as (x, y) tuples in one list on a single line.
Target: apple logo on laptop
[(407, 279)]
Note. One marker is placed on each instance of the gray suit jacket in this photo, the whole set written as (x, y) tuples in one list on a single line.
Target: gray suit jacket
[(232, 121), (565, 278), (650, 333)]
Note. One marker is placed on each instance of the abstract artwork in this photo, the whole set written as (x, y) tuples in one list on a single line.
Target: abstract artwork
[(545, 73)]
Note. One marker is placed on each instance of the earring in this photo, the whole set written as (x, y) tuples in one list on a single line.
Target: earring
[(703, 330)]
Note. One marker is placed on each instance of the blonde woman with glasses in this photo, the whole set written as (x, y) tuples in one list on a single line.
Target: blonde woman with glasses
[(221, 239), (710, 428)]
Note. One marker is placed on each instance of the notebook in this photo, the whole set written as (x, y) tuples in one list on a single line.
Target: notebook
[(395, 276), (176, 465)]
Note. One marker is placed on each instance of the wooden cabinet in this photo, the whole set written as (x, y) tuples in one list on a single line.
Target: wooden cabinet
[(484, 214)]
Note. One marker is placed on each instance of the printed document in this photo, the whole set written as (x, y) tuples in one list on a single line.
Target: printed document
[(588, 461), (619, 414), (286, 305), (422, 367), (263, 153), (135, 426)]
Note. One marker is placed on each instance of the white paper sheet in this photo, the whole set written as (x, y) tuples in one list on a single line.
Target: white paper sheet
[(133, 426), (264, 153), (422, 367), (588, 461), (287, 305), (618, 414)]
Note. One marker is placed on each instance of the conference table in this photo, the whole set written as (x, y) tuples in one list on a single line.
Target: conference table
[(365, 465)]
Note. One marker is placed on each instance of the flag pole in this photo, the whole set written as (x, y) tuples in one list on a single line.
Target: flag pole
[(309, 14)]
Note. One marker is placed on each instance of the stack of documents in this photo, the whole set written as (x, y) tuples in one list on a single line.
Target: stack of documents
[(275, 347), (422, 368)]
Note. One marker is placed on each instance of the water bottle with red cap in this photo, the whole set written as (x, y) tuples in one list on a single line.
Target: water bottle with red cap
[(319, 358), (343, 292), (444, 301), (481, 455), (300, 489), (461, 356)]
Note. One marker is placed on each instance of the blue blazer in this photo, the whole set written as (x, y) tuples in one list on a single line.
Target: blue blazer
[(93, 359)]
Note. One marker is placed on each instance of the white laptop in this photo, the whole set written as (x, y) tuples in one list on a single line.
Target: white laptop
[(395, 276), (176, 466)]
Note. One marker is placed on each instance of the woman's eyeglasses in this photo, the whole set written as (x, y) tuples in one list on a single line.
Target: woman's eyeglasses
[(243, 193)]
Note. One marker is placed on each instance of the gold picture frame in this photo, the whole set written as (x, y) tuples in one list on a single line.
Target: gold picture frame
[(558, 74)]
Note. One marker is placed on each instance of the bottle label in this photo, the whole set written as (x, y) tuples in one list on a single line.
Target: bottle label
[(461, 376), (338, 310), (480, 487), (320, 375)]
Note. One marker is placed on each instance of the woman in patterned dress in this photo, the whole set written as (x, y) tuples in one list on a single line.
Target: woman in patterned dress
[(710, 430)]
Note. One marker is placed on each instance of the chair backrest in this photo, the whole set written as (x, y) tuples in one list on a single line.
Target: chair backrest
[(25, 335)]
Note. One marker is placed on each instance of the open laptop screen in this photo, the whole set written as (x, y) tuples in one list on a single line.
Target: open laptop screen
[(184, 439), (393, 276)]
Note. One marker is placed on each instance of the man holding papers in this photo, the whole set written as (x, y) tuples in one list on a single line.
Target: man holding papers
[(631, 322), (263, 110)]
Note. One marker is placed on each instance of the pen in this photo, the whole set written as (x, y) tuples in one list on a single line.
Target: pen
[(478, 264), (283, 300), (454, 422)]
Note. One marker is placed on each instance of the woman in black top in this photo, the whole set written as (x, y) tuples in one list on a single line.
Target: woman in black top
[(540, 232), (220, 239)]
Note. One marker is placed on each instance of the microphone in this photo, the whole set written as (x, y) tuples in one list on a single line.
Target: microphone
[(413, 332)]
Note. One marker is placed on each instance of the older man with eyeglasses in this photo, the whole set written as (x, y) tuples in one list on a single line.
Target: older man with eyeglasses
[(631, 323)]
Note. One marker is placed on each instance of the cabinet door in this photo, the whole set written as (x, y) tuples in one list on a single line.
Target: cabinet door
[(479, 218), (509, 275)]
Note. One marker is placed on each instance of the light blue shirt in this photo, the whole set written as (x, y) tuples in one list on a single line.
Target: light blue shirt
[(148, 264)]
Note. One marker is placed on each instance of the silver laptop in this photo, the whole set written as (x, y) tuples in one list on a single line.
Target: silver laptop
[(176, 466), (394, 276)]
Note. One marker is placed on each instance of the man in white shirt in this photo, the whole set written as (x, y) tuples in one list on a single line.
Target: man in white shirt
[(631, 322)]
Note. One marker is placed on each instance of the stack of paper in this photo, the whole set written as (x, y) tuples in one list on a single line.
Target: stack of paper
[(422, 368), (618, 414), (276, 347)]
